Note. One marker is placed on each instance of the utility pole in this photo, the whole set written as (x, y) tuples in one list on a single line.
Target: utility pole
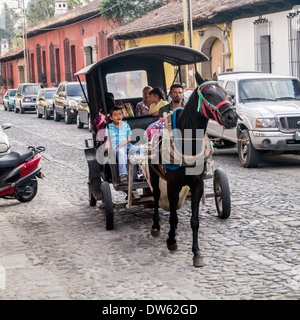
[(188, 30), (188, 23), (26, 69)]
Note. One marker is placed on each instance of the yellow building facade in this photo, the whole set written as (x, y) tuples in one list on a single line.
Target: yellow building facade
[(214, 41)]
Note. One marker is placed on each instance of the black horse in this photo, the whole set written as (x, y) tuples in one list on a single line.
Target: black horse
[(213, 105)]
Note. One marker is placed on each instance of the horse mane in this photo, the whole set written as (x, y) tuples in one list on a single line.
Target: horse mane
[(189, 118)]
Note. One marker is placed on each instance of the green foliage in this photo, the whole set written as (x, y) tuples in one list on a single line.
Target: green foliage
[(124, 11), (76, 3), (8, 22), (38, 10)]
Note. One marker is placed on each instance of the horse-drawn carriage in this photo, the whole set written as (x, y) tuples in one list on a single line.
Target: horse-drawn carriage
[(125, 74)]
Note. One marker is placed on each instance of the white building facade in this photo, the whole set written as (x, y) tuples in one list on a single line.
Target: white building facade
[(270, 43)]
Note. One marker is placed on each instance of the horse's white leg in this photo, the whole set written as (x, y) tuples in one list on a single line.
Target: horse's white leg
[(196, 194)]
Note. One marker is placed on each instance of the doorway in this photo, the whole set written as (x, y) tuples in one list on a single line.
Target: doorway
[(217, 57)]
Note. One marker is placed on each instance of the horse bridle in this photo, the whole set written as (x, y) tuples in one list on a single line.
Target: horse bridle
[(204, 103)]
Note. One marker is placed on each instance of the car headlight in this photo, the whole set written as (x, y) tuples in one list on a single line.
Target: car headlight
[(26, 99), (72, 103), (266, 123), (3, 147)]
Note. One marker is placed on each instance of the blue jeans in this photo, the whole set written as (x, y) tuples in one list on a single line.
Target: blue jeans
[(122, 156)]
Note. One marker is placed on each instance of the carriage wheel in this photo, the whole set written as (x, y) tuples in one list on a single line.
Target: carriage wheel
[(106, 199), (222, 193)]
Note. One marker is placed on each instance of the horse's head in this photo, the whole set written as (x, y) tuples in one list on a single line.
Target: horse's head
[(213, 103)]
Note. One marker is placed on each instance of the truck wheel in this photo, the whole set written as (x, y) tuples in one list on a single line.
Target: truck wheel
[(249, 157)]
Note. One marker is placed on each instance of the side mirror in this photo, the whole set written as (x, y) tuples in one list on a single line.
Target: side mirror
[(61, 94), (231, 99)]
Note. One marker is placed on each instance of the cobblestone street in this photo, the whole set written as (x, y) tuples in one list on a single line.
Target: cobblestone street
[(57, 247)]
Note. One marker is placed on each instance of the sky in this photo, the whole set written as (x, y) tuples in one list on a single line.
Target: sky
[(12, 3)]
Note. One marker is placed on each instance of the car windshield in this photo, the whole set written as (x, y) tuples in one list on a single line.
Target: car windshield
[(49, 94), (269, 89), (30, 89), (127, 84), (12, 93), (75, 89)]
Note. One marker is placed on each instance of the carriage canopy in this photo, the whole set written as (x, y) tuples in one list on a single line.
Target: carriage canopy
[(126, 72)]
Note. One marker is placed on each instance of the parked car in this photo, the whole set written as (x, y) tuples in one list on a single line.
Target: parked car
[(83, 114), (65, 101), (44, 103), (26, 97), (9, 99), (269, 107)]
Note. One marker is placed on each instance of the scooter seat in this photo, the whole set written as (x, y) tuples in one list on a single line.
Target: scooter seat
[(14, 159)]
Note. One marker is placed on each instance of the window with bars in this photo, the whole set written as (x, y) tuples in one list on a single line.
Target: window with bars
[(73, 62), (11, 76), (106, 45), (67, 59), (52, 63), (32, 75), (39, 63), (44, 68), (262, 45), (57, 65), (294, 43)]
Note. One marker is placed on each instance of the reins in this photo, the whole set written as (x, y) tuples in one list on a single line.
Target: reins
[(203, 103)]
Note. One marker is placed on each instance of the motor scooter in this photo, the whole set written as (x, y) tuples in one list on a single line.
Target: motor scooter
[(5, 145), (18, 174)]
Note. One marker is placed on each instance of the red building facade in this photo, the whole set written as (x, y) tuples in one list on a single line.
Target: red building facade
[(58, 47)]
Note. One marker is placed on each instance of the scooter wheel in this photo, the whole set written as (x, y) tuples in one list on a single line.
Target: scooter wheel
[(28, 191)]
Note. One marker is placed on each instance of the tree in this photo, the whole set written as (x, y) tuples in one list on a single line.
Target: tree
[(124, 11), (8, 23), (76, 3), (38, 10)]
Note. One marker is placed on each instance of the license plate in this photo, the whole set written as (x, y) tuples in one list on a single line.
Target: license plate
[(297, 135)]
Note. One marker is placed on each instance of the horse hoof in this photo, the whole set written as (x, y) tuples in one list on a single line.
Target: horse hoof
[(172, 246), (198, 262), (155, 233)]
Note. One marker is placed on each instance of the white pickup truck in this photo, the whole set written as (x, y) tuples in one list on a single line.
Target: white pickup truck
[(269, 108)]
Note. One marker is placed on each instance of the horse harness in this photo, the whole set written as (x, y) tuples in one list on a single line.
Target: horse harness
[(204, 104), (169, 143)]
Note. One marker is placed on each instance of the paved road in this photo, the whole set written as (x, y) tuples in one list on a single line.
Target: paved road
[(56, 247)]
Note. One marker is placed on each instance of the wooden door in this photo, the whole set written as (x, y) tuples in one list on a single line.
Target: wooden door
[(217, 60)]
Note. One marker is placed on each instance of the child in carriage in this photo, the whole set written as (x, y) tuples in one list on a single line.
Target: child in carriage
[(120, 137)]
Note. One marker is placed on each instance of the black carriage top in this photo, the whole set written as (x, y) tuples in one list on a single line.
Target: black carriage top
[(109, 71)]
